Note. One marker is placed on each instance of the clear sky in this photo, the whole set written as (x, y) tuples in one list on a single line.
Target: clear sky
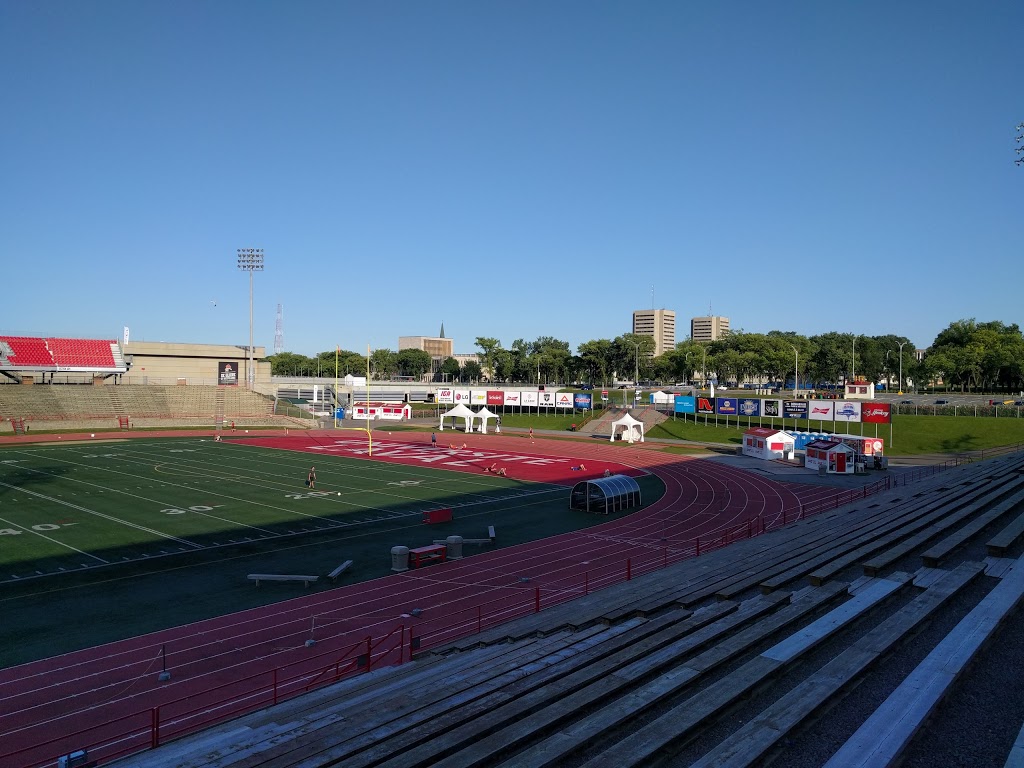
[(511, 169)]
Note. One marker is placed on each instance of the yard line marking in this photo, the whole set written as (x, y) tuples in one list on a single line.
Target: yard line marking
[(48, 538), (103, 515)]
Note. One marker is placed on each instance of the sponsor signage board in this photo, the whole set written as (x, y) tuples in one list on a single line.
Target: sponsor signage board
[(446, 395), (495, 397), (846, 411), (749, 407), (227, 374), (546, 399), (794, 409), (705, 405), (529, 398), (478, 397), (771, 408), (462, 396), (512, 398), (821, 410), (726, 406), (563, 400), (583, 401), (876, 413), (686, 404)]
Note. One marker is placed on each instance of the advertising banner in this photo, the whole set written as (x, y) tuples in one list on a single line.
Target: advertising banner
[(495, 397), (686, 404), (512, 398), (794, 409), (478, 397), (563, 400), (529, 398), (771, 408), (604, 394), (726, 406), (446, 395), (847, 411), (462, 396), (876, 413), (227, 374), (749, 407), (583, 401), (821, 410), (705, 405), (546, 399)]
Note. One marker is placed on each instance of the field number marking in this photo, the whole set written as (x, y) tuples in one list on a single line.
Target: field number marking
[(310, 495), (197, 508), (39, 527)]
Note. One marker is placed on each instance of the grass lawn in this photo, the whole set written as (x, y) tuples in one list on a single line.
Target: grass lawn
[(120, 538), (910, 434)]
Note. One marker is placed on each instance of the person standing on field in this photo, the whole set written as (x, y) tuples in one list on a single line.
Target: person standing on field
[(311, 478)]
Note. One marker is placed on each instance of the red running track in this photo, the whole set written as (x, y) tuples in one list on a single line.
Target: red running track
[(109, 698)]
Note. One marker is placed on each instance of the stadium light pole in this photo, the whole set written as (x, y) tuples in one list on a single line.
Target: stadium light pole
[(901, 365), (250, 260)]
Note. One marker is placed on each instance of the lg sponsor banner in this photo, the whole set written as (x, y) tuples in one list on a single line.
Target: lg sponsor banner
[(478, 397), (513, 398), (876, 413), (227, 374), (847, 411), (686, 404), (462, 396), (446, 395), (495, 397), (771, 408), (529, 398), (546, 399), (794, 409), (726, 406), (583, 400), (705, 405), (563, 400), (821, 410), (750, 407)]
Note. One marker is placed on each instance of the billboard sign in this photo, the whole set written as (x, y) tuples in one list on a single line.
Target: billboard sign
[(446, 395), (821, 410), (563, 400), (529, 398), (686, 404), (794, 409), (771, 408), (546, 399), (726, 406), (512, 398), (583, 401), (876, 413), (705, 405), (478, 397), (495, 397), (462, 396), (749, 407), (227, 374), (847, 411)]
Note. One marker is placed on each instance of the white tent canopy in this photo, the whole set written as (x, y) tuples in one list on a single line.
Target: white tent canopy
[(631, 429), (484, 414), (460, 411)]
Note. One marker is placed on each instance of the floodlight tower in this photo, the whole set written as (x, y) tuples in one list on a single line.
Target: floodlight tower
[(250, 260)]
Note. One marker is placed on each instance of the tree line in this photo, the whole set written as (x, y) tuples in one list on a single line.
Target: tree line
[(967, 355)]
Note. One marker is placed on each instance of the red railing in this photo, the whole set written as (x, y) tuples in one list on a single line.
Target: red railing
[(119, 736)]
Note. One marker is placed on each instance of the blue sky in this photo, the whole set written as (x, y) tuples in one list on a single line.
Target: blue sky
[(511, 169)]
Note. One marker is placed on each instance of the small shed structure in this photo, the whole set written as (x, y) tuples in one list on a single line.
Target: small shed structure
[(768, 444), (628, 429), (605, 494), (460, 411), (386, 411), (834, 456)]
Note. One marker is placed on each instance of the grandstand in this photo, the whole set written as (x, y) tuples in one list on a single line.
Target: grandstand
[(23, 357)]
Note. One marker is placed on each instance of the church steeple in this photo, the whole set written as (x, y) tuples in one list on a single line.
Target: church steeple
[(442, 330)]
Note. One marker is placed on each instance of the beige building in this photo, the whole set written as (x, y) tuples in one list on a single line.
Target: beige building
[(659, 323), (708, 328), (158, 362), (435, 346)]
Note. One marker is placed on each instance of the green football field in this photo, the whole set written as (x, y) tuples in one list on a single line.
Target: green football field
[(75, 507)]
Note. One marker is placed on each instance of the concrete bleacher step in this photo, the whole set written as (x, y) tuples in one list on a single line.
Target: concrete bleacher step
[(628, 693), (888, 731), (679, 724)]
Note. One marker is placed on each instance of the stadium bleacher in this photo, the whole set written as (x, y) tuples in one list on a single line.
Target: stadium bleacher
[(37, 353)]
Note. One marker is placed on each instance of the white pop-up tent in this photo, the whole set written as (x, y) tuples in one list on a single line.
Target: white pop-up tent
[(484, 414), (631, 429), (459, 412)]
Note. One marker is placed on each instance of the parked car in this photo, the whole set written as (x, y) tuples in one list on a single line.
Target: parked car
[(1018, 402), (942, 402), (906, 402)]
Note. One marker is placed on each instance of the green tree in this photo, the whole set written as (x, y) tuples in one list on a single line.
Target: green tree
[(488, 347), (413, 362), (471, 371), (383, 363), (449, 370)]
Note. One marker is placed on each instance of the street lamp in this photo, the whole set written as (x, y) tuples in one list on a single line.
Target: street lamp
[(901, 365), (636, 370), (796, 372), (853, 361), (250, 260)]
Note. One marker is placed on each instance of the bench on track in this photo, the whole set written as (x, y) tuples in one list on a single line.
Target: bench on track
[(306, 580)]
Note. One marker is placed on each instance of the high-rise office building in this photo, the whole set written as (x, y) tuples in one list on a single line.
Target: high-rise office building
[(708, 328), (659, 323)]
